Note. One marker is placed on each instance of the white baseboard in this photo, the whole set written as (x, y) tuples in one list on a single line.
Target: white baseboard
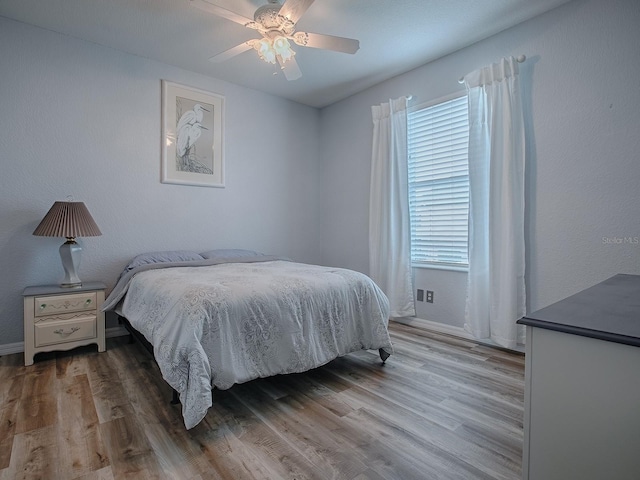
[(451, 330), (18, 347), (9, 348), (434, 326)]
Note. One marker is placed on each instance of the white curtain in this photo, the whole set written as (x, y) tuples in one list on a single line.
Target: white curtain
[(496, 296), (389, 228)]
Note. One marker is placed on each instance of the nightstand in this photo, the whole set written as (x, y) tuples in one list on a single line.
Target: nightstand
[(57, 318)]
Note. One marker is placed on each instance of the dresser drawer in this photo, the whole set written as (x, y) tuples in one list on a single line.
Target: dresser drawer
[(61, 331), (56, 304)]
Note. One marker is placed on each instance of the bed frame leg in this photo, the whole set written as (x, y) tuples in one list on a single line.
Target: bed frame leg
[(175, 400), (383, 355)]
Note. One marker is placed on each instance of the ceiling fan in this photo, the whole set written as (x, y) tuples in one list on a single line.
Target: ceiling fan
[(277, 25)]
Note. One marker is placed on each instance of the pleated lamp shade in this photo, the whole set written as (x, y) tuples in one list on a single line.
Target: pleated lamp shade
[(70, 220), (67, 219)]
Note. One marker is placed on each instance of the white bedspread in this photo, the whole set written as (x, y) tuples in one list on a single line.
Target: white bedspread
[(230, 323)]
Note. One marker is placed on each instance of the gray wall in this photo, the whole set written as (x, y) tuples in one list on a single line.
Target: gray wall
[(582, 89), (79, 119)]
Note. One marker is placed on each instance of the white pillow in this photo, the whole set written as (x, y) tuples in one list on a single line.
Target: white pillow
[(162, 257), (229, 253)]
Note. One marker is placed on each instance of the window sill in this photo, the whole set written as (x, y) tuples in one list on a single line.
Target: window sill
[(431, 266)]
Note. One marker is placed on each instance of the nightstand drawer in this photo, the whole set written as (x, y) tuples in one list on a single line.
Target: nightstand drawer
[(55, 332), (56, 304)]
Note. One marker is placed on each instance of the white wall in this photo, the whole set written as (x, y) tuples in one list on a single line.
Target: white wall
[(83, 120), (582, 89)]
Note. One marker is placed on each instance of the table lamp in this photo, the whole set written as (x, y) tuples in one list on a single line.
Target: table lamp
[(70, 220)]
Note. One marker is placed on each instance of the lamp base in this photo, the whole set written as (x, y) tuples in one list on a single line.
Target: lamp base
[(70, 254)]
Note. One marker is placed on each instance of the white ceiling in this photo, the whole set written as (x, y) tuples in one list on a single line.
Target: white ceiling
[(395, 36)]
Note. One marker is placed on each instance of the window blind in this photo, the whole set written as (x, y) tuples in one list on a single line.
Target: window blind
[(439, 183)]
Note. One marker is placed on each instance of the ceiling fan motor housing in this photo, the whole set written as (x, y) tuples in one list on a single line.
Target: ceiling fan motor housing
[(268, 16)]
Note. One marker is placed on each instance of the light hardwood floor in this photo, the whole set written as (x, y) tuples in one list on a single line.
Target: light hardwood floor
[(441, 408)]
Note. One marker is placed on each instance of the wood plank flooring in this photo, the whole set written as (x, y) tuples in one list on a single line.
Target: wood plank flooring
[(441, 408)]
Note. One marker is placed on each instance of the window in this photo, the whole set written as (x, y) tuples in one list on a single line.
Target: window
[(439, 183)]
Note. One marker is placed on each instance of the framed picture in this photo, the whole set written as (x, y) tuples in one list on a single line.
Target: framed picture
[(192, 136)]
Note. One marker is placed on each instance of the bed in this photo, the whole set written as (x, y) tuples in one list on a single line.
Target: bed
[(230, 316)]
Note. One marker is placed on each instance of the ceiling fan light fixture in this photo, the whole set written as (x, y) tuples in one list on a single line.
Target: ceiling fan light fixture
[(265, 50), (269, 50), (283, 48)]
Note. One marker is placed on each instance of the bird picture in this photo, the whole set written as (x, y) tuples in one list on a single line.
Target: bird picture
[(187, 137), (188, 130)]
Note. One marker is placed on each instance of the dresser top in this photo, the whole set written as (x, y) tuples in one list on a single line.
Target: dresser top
[(58, 290), (607, 311)]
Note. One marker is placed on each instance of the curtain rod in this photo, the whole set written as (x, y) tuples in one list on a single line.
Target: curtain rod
[(520, 59)]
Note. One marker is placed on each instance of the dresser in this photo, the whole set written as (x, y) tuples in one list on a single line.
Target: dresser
[(582, 385), (57, 318)]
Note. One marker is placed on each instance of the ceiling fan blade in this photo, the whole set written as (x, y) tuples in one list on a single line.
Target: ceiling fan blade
[(294, 9), (327, 42), (232, 52), (221, 12), (290, 69)]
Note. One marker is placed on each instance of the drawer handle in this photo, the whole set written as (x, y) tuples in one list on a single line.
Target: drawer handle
[(64, 334), (43, 306), (88, 301)]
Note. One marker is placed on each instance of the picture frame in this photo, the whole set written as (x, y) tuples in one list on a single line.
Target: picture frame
[(192, 136)]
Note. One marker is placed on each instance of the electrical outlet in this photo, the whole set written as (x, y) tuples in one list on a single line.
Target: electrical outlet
[(420, 295), (429, 296)]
